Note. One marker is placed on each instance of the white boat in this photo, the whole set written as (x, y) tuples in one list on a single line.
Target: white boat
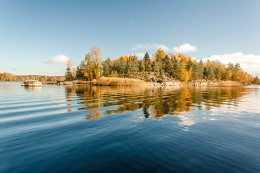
[(32, 83)]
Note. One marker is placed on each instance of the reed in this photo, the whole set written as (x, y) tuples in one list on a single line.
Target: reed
[(116, 81)]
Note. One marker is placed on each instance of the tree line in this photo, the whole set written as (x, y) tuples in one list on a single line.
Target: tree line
[(11, 77), (161, 64)]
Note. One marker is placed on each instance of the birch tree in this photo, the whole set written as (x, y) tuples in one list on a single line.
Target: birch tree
[(93, 60)]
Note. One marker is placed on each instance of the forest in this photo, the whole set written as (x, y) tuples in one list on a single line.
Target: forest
[(167, 66), (11, 77)]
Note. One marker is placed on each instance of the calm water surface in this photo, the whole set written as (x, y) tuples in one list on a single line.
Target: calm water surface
[(103, 129)]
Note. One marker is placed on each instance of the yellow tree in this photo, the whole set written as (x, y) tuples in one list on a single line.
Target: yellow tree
[(87, 68), (160, 54), (94, 67)]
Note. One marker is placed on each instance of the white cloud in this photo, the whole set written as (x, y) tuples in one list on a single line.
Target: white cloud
[(248, 62), (59, 59), (150, 47), (185, 48), (140, 54)]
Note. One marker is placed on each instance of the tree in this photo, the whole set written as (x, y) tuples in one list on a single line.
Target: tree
[(217, 74), (88, 68), (198, 71), (93, 61), (160, 54), (120, 66), (141, 66), (256, 80), (211, 74), (133, 64), (70, 72), (176, 68), (127, 70), (147, 62), (171, 71), (155, 67), (105, 69), (96, 55), (79, 73), (166, 64)]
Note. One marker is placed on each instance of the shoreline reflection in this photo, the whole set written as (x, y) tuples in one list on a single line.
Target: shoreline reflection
[(154, 102)]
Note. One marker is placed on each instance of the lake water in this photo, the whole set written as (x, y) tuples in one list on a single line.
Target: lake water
[(125, 129)]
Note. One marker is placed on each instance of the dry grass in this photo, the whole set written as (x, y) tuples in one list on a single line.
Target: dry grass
[(116, 81)]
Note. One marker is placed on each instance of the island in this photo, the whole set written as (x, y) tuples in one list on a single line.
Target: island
[(158, 69)]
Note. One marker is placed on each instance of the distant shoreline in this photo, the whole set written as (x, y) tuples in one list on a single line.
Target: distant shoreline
[(124, 81), (116, 81)]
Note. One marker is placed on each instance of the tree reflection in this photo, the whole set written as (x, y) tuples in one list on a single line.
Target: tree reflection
[(154, 102), (94, 114)]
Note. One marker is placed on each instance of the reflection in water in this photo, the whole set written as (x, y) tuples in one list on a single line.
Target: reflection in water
[(32, 88), (155, 102), (202, 130), (94, 114)]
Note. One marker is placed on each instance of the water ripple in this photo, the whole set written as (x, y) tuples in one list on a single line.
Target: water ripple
[(120, 129)]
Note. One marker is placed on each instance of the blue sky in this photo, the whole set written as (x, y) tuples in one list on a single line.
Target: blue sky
[(36, 36)]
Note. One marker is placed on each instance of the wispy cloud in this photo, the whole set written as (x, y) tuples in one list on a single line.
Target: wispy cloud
[(150, 47), (248, 62), (140, 54), (59, 59), (185, 48)]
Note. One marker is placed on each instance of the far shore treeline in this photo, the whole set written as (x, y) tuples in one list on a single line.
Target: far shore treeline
[(166, 66), (11, 77)]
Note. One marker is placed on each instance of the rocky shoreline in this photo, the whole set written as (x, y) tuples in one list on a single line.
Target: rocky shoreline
[(196, 83), (203, 83)]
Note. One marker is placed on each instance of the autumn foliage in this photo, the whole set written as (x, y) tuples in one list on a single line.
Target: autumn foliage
[(162, 65)]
